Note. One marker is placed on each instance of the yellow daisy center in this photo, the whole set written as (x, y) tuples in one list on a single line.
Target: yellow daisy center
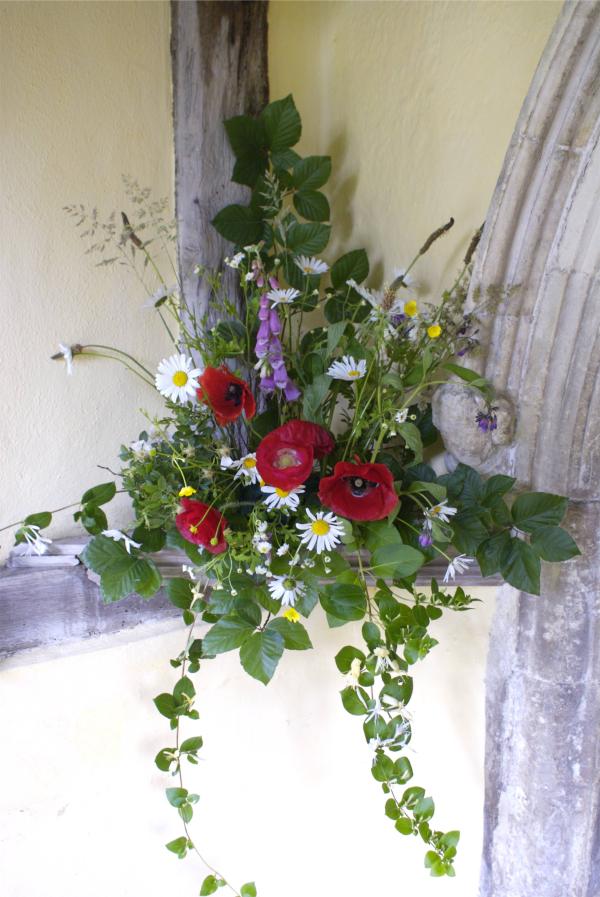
[(354, 373), (307, 269), (320, 527), (180, 378), (410, 308), (291, 614), (281, 492), (434, 331), (249, 463)]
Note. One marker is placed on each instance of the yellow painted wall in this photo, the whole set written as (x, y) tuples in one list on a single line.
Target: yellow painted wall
[(85, 97), (416, 103)]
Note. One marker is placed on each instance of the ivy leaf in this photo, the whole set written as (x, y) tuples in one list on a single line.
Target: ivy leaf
[(282, 124), (248, 890), (312, 172), (520, 566), (99, 495), (209, 886), (536, 509), (552, 543), (351, 266), (229, 633), (344, 602), (312, 205), (238, 224), (178, 846), (260, 654), (294, 635)]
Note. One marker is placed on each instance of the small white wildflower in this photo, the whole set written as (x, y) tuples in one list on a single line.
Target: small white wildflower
[(383, 658), (34, 543), (190, 571), (249, 276), (262, 526), (400, 416), (260, 569), (283, 549), (281, 498), (235, 260), (117, 536), (140, 447), (322, 532), (457, 565), (263, 547), (311, 266), (441, 511), (355, 671), (282, 297), (247, 469), (286, 589)]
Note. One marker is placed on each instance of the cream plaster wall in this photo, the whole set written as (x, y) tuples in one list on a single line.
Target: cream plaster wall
[(416, 102), (85, 97)]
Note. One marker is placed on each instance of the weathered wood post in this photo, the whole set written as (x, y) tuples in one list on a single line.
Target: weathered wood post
[(542, 352)]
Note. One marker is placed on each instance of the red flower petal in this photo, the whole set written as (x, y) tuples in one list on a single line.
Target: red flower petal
[(302, 432), (359, 491), (202, 525), (283, 464), (226, 394)]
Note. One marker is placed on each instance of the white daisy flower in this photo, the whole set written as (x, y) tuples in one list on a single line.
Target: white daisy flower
[(280, 498), (286, 589), (118, 536), (246, 468), (322, 533), (310, 266), (401, 416), (376, 298), (406, 280), (67, 354), (282, 297), (235, 261), (457, 565), (34, 543), (348, 369), (283, 549), (441, 512), (177, 378)]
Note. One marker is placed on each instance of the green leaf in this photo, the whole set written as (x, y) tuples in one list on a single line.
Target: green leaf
[(248, 890), (294, 635), (552, 543), (247, 609), (41, 519), (404, 826), (285, 159), (312, 172), (334, 335), (314, 394), (179, 592), (351, 266), (93, 519), (450, 839), (282, 124), (412, 437), (245, 134), (260, 654), (469, 531), (464, 373), (520, 566), (164, 758), (209, 886), (176, 796), (381, 533), (312, 205), (238, 224), (308, 239), (229, 633), (151, 539), (424, 810), (344, 658), (344, 602), (184, 690), (536, 509), (99, 495), (178, 846), (148, 579), (120, 573), (396, 561), (165, 705), (191, 744), (490, 552), (352, 703), (495, 487)]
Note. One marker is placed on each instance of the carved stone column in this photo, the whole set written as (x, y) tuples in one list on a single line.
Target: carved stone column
[(540, 261)]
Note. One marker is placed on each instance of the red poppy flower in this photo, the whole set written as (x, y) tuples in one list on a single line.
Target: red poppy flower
[(359, 491), (226, 394), (202, 525), (285, 457)]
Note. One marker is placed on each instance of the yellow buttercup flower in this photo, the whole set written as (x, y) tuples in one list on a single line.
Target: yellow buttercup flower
[(291, 614), (186, 491), (411, 308), (434, 331)]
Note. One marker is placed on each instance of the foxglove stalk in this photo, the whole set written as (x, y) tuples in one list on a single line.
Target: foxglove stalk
[(269, 351)]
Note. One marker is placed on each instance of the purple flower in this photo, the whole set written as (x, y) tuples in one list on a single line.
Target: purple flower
[(425, 539), (487, 420), (269, 350)]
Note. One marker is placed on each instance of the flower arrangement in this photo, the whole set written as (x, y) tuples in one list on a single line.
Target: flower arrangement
[(289, 465)]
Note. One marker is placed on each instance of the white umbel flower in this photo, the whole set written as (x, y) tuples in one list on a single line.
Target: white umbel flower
[(348, 369), (177, 378), (282, 297), (401, 416), (247, 469), (286, 589), (67, 354), (322, 533), (442, 512), (457, 565), (118, 536), (311, 266), (280, 498)]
